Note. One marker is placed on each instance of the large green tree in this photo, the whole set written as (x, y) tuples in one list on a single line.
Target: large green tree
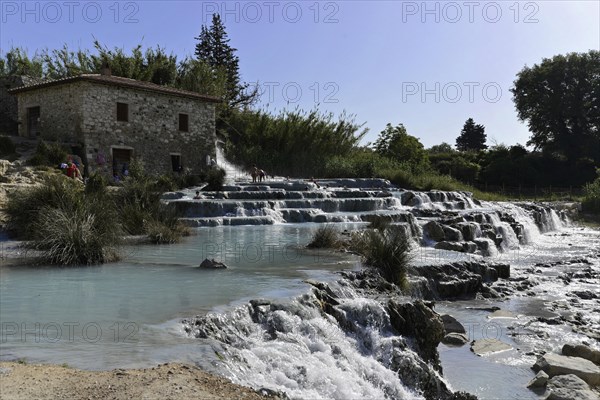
[(214, 50), (17, 62), (472, 137), (395, 142), (153, 65), (560, 101)]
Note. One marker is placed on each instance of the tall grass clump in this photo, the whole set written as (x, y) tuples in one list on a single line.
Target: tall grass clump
[(165, 226), (24, 206), (387, 250), (326, 237), (86, 234), (65, 224)]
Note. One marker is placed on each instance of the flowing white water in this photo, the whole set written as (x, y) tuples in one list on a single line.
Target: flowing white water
[(233, 172), (298, 350), (138, 304)]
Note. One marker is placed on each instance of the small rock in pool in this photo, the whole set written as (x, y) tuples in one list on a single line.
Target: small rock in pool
[(540, 380), (455, 339), (487, 346), (212, 264)]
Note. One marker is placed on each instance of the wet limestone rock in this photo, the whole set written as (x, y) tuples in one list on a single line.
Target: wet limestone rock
[(555, 364), (469, 247), (212, 264), (451, 324), (455, 339), (569, 387), (451, 246), (421, 322), (539, 381), (487, 346), (582, 351), (452, 234), (457, 280), (469, 230), (434, 231)]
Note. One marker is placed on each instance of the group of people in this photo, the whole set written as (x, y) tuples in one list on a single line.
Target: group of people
[(257, 174), (124, 173), (71, 168)]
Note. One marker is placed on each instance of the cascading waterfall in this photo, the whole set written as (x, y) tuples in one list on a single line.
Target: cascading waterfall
[(468, 225), (232, 171), (343, 344), (299, 349)]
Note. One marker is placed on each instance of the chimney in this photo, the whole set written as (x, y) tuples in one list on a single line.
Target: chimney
[(105, 69)]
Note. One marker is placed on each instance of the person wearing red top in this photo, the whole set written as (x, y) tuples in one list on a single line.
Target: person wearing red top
[(72, 170)]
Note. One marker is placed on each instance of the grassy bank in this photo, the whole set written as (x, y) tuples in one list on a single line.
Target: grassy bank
[(68, 223)]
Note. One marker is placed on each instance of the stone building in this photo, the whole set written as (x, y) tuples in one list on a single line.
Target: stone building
[(8, 102), (109, 120)]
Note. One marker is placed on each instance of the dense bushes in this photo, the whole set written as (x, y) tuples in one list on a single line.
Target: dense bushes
[(293, 143), (7, 147), (51, 154), (360, 163), (462, 166), (591, 199), (64, 223), (141, 210), (215, 177), (68, 223)]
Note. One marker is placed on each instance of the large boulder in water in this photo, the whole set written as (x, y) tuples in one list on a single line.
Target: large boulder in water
[(582, 351), (452, 234), (569, 387), (555, 364), (455, 339), (451, 324), (470, 230), (540, 380), (451, 246), (421, 322), (457, 280), (434, 231)]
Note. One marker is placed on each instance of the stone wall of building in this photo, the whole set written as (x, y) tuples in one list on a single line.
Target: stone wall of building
[(60, 116), (152, 131), (8, 102)]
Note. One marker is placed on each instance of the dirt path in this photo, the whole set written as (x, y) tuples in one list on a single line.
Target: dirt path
[(167, 381)]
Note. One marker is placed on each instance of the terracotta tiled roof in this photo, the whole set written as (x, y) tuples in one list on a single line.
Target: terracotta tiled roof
[(118, 81)]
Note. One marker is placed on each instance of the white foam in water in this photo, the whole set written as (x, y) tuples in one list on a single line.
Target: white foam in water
[(297, 350), (233, 172), (274, 214), (509, 238), (556, 222)]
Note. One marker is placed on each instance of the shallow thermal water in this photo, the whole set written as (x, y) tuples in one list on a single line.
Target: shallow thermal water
[(128, 314), (505, 375)]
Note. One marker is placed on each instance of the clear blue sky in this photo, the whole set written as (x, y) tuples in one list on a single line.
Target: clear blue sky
[(428, 65)]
